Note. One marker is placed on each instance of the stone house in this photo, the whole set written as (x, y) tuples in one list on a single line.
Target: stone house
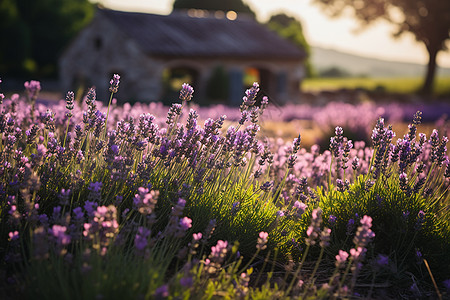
[(144, 48)]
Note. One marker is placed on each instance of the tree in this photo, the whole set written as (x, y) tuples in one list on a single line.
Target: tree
[(235, 5), (36, 31), (291, 29), (427, 20)]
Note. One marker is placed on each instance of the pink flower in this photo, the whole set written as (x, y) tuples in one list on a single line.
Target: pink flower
[(185, 223), (341, 258), (262, 240), (197, 236), (14, 235), (357, 253)]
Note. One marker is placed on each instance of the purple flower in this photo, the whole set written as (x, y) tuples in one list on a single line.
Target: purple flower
[(301, 208), (186, 282), (90, 207), (332, 220), (420, 220), (114, 83), (95, 191), (447, 284), (141, 238), (382, 260), (186, 92), (250, 95), (115, 149), (267, 186), (59, 232), (69, 100), (185, 223), (280, 213), (350, 226), (162, 291), (78, 212), (33, 88)]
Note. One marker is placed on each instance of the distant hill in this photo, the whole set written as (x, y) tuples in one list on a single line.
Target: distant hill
[(323, 59)]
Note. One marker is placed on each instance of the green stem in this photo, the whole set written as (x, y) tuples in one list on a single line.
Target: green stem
[(297, 271), (317, 264), (67, 131), (107, 115)]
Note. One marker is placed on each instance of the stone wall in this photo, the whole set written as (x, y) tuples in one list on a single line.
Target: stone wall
[(102, 49)]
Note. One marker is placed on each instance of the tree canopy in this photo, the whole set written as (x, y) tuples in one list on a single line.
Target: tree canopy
[(427, 20), (35, 32), (291, 29), (235, 5)]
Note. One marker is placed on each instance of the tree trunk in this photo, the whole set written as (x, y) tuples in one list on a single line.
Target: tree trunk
[(427, 87)]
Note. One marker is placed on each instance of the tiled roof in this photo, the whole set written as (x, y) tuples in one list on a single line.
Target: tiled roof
[(180, 35)]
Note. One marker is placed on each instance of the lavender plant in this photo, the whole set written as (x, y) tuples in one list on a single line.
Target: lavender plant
[(149, 206)]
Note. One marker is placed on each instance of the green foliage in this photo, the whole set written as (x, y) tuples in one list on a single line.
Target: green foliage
[(291, 29), (37, 32), (334, 72), (235, 5), (404, 223), (389, 85)]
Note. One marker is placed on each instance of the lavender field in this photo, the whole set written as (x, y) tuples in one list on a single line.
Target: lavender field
[(143, 201)]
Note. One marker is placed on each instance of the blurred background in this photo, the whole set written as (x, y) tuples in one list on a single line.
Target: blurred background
[(380, 47)]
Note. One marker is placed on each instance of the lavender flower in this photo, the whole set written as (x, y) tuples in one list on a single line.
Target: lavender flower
[(219, 251), (382, 260), (341, 258), (186, 92), (162, 292), (313, 230), (350, 226), (300, 208), (250, 96), (197, 236), (403, 180), (62, 239), (144, 201), (114, 83), (185, 223), (357, 253), (69, 99), (186, 282), (141, 239), (262, 240), (33, 88), (420, 220), (364, 234), (13, 235), (325, 237), (332, 220), (267, 186)]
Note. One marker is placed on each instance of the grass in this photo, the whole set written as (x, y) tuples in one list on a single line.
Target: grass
[(407, 85)]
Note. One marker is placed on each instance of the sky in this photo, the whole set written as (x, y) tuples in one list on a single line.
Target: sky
[(340, 34)]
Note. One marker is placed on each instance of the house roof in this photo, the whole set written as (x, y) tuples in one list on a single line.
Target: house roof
[(180, 35)]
